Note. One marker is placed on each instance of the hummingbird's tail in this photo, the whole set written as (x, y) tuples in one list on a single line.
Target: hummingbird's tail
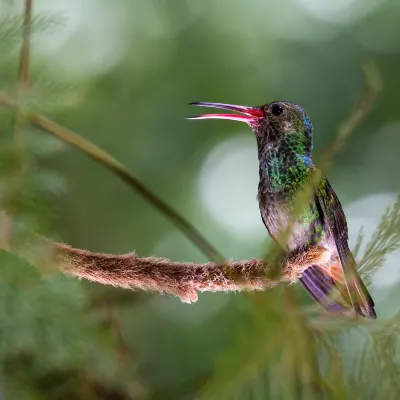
[(320, 286), (328, 288)]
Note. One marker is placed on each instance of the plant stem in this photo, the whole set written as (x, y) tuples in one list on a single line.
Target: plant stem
[(23, 84), (122, 172)]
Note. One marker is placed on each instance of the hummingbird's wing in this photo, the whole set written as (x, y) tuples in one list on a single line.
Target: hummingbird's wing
[(344, 275)]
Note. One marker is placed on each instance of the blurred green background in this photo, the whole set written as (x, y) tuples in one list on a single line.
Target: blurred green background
[(121, 74)]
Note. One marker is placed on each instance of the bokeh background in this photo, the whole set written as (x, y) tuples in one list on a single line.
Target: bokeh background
[(121, 74)]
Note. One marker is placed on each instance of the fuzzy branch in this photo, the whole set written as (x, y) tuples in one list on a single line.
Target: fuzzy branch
[(154, 274)]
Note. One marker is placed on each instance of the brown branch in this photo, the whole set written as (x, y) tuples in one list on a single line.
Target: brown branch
[(154, 274), (161, 275), (178, 278)]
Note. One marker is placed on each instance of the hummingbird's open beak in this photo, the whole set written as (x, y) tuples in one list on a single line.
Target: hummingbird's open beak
[(251, 114)]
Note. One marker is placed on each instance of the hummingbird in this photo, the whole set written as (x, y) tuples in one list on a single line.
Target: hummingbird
[(284, 135)]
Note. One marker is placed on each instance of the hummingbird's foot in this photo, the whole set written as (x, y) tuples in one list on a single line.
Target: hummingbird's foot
[(296, 263)]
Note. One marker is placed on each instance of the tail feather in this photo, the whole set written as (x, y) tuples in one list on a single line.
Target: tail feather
[(365, 300), (360, 297)]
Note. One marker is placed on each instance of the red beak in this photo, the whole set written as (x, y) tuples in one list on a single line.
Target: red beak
[(251, 114)]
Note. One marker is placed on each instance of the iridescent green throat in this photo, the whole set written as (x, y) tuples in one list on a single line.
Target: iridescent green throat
[(285, 165)]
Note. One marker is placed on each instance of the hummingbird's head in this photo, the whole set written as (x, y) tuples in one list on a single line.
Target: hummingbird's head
[(275, 123)]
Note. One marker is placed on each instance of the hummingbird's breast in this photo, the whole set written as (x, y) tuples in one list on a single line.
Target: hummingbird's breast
[(292, 229), (283, 173)]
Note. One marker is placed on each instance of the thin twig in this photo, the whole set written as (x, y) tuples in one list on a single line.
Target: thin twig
[(25, 51), (121, 171), (23, 84), (359, 113)]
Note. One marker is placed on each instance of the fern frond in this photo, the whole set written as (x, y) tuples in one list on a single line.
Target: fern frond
[(11, 28), (385, 240)]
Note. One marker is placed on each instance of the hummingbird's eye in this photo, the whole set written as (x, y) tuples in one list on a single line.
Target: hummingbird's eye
[(276, 109)]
